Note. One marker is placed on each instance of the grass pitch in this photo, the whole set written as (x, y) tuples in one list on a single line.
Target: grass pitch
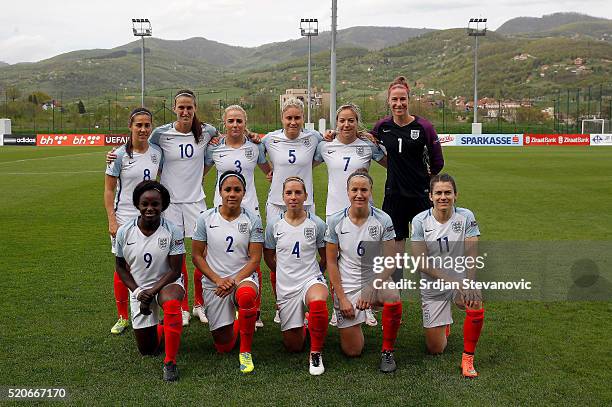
[(58, 302)]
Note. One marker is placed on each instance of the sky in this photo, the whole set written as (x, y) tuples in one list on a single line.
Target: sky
[(33, 30)]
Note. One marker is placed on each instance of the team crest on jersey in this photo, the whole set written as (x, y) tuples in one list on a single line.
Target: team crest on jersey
[(248, 153), (243, 227), (373, 231), (457, 226), (163, 243), (307, 142), (414, 134), (154, 159), (360, 151), (309, 233)]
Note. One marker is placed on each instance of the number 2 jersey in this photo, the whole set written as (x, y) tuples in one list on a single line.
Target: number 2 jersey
[(291, 158), (147, 256), (130, 171), (296, 253), (183, 167), (444, 240), (227, 242), (243, 160), (355, 261)]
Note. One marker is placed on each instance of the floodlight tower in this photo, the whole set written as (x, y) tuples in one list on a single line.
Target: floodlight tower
[(477, 27), (309, 27), (141, 27)]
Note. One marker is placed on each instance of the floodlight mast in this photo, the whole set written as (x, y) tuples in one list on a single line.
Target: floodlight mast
[(309, 27), (477, 27), (332, 71), (141, 27)]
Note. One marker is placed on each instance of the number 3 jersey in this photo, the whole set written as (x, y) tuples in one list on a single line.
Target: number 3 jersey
[(183, 167), (130, 171), (243, 160), (356, 258), (147, 256), (227, 242), (445, 240), (296, 252)]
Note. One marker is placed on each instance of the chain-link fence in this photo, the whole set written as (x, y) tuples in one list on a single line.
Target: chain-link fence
[(561, 111)]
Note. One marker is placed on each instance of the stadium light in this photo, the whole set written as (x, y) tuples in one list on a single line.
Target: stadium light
[(477, 27), (141, 27), (332, 68), (309, 27)]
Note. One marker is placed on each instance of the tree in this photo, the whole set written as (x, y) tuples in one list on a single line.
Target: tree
[(81, 107), (13, 93)]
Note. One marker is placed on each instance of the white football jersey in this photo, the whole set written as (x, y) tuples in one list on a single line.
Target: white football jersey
[(296, 252), (129, 173), (183, 166), (444, 240), (291, 158), (243, 159), (147, 256), (227, 242), (342, 160), (356, 256)]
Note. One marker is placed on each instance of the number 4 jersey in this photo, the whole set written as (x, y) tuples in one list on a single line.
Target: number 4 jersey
[(147, 256), (130, 171), (296, 252)]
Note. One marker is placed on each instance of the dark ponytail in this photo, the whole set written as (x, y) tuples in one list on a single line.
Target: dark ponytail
[(129, 148), (196, 124)]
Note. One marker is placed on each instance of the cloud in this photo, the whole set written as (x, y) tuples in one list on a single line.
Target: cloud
[(25, 48)]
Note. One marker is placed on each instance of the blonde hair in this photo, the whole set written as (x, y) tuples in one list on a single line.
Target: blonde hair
[(293, 102), (239, 109)]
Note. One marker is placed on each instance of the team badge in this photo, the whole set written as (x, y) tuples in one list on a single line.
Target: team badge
[(309, 233), (154, 159), (373, 231), (307, 141), (414, 134), (248, 153), (360, 151), (162, 242), (457, 226), (243, 227)]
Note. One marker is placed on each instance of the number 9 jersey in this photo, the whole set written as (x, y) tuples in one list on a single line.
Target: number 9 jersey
[(147, 256)]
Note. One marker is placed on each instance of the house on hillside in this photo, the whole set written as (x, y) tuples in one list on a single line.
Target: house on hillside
[(318, 97)]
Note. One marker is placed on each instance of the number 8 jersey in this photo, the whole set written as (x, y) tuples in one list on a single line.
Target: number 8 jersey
[(130, 171), (227, 242), (147, 256)]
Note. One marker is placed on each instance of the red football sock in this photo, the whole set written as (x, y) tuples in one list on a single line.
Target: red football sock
[(391, 320), (317, 324), (227, 347), (185, 303), (247, 314), (121, 296), (472, 326), (173, 326), (160, 333), (273, 282), (260, 281), (198, 299)]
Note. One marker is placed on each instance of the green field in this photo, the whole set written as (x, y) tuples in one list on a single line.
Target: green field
[(58, 302)]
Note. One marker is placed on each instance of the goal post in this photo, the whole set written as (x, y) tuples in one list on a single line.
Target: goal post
[(596, 126)]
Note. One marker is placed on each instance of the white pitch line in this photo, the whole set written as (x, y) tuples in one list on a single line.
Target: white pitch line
[(51, 173), (46, 158)]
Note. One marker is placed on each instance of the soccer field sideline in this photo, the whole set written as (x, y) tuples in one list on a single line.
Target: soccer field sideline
[(59, 285)]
